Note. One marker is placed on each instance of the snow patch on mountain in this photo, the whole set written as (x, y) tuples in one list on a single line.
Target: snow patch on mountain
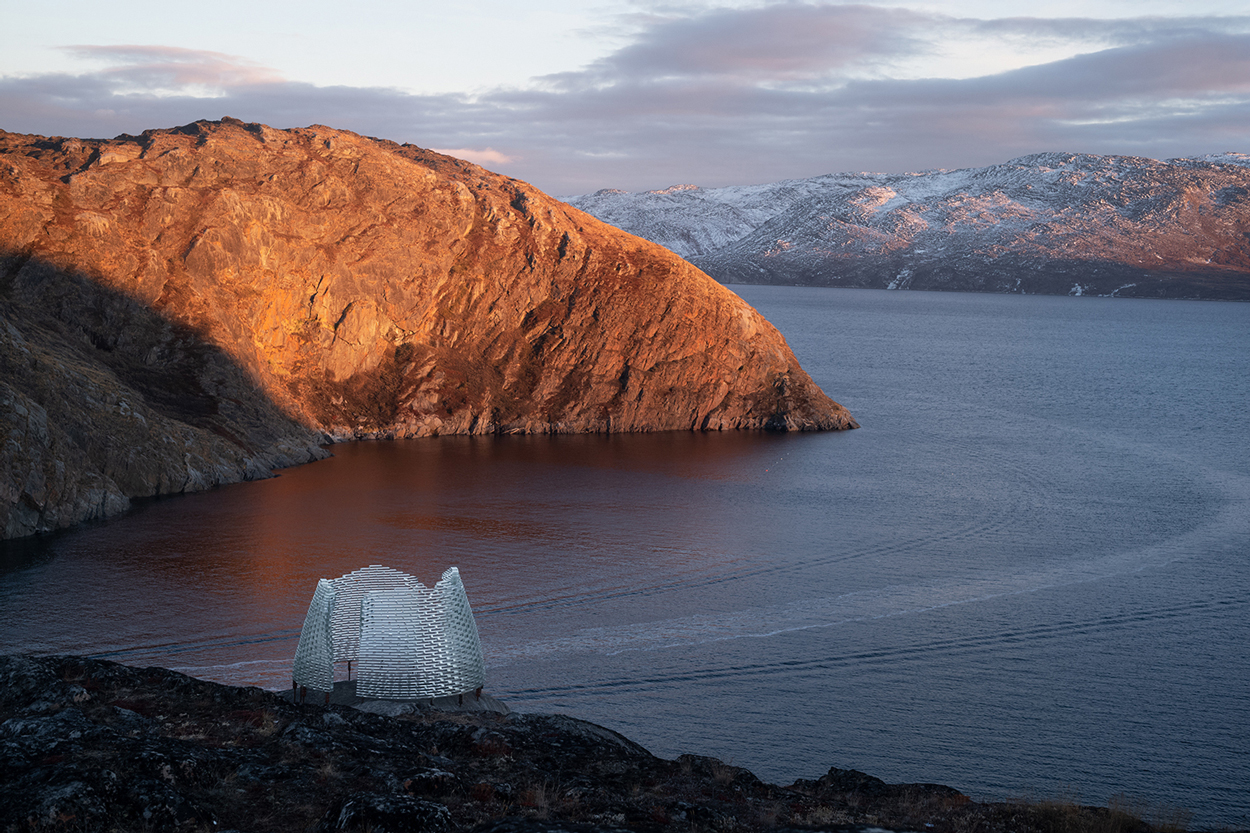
[(1062, 223)]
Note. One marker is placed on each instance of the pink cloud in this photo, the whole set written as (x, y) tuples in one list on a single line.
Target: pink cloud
[(485, 157), (723, 103), (783, 41), (173, 66)]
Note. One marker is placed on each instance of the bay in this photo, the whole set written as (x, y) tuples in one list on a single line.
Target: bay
[(1027, 575)]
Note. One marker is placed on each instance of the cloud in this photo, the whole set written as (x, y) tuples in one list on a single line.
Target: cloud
[(171, 67), (1111, 32), (1167, 96), (728, 96), (485, 157), (1147, 96), (788, 41)]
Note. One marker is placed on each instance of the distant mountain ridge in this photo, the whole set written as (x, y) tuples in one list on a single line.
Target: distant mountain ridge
[(1050, 223)]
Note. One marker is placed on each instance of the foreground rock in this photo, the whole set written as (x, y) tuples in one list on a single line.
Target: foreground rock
[(1052, 223), (91, 745), (200, 305)]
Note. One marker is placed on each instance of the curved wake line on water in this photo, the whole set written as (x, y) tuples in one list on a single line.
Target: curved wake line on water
[(196, 670), (861, 659), (1230, 526), (976, 528), (738, 569), (176, 648)]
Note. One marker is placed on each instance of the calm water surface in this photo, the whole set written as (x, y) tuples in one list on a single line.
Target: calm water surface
[(1028, 574)]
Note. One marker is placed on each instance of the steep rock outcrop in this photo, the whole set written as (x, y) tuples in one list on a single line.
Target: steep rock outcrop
[(199, 305), (1052, 223)]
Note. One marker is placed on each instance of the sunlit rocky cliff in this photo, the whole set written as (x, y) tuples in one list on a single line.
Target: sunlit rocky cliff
[(199, 305), (1051, 223)]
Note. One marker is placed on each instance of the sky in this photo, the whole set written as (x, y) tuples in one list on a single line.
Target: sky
[(643, 94)]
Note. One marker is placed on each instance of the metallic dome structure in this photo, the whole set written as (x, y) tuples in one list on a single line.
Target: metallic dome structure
[(409, 641)]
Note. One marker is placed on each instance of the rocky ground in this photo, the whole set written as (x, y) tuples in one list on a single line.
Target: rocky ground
[(92, 745)]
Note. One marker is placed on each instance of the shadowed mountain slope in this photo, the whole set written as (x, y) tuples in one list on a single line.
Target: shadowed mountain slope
[(199, 305)]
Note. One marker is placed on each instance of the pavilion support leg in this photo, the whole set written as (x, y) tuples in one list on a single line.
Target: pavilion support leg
[(478, 693), (303, 693)]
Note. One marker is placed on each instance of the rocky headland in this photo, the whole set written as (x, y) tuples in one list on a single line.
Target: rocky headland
[(92, 745), (200, 305), (1051, 223)]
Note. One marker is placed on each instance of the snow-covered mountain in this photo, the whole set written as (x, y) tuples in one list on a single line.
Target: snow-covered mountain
[(1053, 223)]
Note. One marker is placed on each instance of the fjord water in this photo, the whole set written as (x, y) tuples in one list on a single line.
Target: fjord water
[(1027, 575)]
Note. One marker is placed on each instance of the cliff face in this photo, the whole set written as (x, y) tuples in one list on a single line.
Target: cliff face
[(199, 305), (1052, 223)]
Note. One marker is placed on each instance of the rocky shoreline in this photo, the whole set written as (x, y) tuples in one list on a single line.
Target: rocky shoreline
[(92, 745)]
